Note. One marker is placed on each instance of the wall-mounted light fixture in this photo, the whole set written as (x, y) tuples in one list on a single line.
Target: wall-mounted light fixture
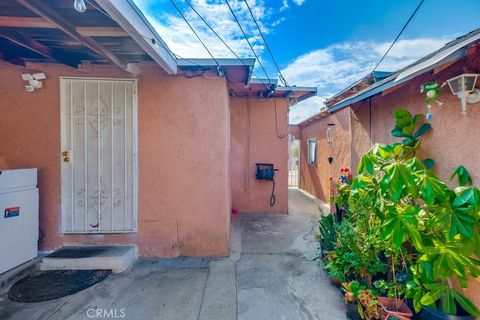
[(330, 128), (463, 86), (34, 82)]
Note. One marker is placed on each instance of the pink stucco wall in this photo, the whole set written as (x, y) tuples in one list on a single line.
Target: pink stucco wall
[(371, 121), (184, 141), (294, 130), (315, 178), (254, 139)]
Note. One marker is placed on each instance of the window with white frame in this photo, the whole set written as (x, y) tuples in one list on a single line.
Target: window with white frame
[(312, 151)]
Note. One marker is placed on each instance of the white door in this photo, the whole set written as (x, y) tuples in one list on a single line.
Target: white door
[(98, 155)]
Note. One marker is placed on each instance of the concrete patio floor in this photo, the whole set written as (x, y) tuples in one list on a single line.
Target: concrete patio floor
[(269, 275)]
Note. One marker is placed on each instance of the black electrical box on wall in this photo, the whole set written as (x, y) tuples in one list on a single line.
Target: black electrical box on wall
[(265, 171)]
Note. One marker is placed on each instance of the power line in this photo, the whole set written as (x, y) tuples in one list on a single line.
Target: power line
[(248, 41), (154, 42), (280, 76), (221, 39), (194, 32), (399, 34)]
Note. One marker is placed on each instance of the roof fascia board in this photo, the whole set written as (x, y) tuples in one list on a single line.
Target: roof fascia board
[(441, 56), (127, 14), (272, 82), (294, 88), (307, 95), (453, 56), (321, 113), (249, 62), (361, 96)]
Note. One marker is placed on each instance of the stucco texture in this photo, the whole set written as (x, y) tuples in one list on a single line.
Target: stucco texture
[(254, 139), (315, 178), (184, 178), (452, 138)]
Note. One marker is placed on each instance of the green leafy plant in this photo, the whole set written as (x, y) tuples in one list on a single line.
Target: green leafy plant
[(327, 234), (366, 299), (430, 231), (356, 253)]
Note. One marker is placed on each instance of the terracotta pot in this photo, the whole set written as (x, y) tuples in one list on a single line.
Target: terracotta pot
[(395, 308)]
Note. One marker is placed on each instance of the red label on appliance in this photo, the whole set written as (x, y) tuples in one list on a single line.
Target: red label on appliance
[(12, 212)]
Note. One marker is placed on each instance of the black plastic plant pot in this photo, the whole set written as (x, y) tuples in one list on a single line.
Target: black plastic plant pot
[(352, 311), (340, 212), (428, 313)]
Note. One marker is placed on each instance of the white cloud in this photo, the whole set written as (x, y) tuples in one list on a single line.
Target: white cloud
[(330, 69), (286, 4), (178, 36), (299, 2), (305, 109), (335, 67)]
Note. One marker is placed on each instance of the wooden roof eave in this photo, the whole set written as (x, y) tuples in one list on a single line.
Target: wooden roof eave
[(47, 13)]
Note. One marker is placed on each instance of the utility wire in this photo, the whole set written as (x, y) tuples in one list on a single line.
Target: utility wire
[(280, 136), (248, 41), (220, 38), (280, 75), (399, 34), (394, 41), (152, 40), (161, 44), (194, 32)]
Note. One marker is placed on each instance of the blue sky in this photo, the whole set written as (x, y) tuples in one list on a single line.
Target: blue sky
[(327, 44)]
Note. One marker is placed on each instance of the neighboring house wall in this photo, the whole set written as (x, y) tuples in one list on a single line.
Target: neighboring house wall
[(294, 130), (315, 178), (254, 139), (453, 140), (371, 121), (184, 137)]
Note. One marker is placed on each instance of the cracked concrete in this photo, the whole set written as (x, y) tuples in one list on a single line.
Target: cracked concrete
[(269, 274), (276, 275)]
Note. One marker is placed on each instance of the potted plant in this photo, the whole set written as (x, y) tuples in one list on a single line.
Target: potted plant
[(362, 303), (355, 256), (342, 189), (400, 214), (392, 306), (428, 229)]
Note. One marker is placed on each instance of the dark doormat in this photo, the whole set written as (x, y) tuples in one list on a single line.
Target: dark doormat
[(50, 285)]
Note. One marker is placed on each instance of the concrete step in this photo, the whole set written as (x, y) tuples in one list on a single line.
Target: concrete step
[(115, 258)]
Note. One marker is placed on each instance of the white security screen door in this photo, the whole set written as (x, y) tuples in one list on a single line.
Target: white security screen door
[(99, 155)]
